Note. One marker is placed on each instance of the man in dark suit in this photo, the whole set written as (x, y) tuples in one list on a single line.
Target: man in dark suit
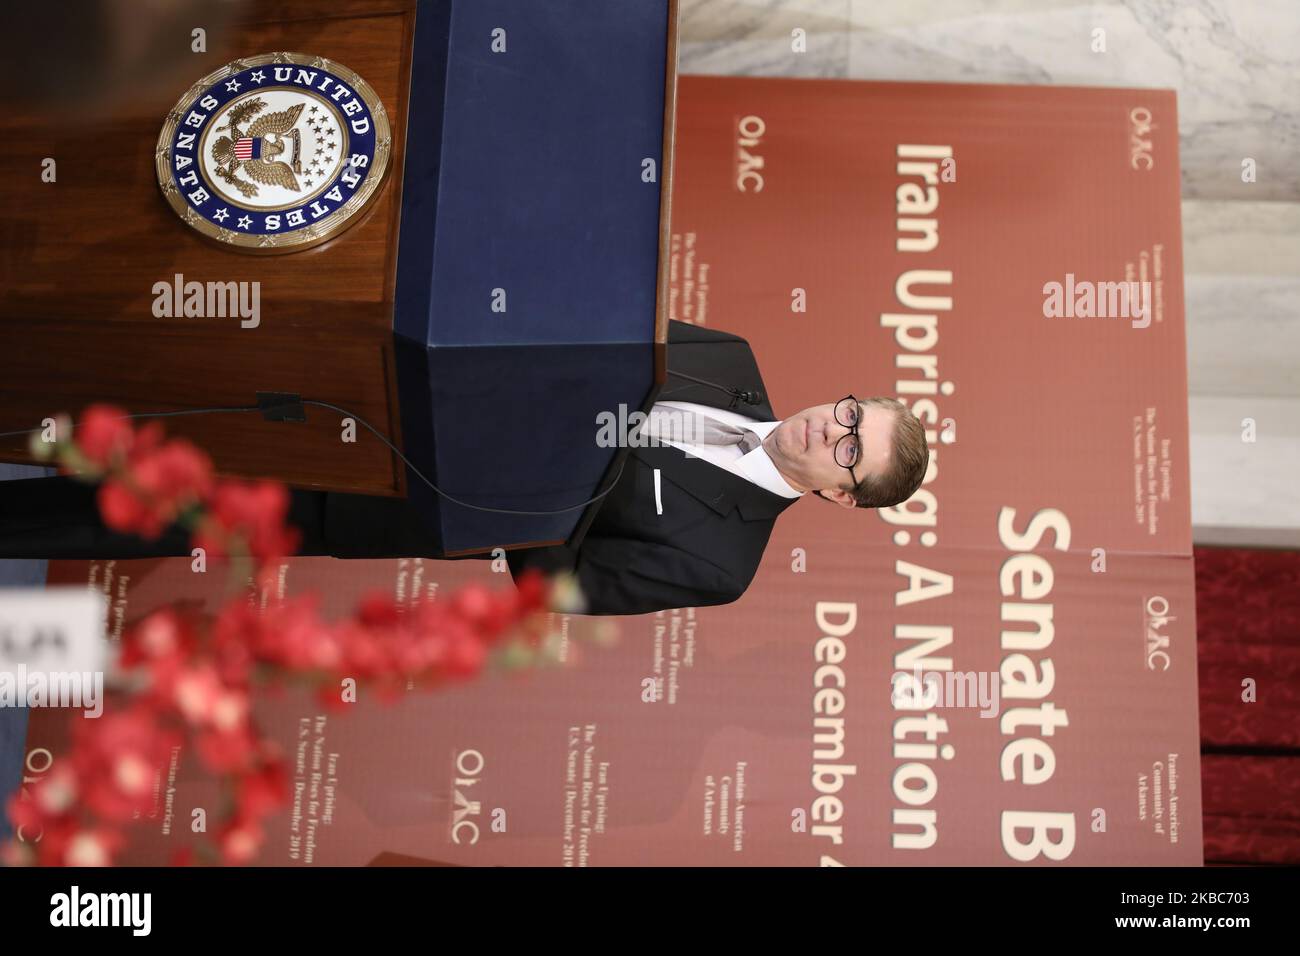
[(685, 525), (687, 522)]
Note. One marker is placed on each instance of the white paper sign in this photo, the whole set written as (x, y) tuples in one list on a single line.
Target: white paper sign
[(52, 630)]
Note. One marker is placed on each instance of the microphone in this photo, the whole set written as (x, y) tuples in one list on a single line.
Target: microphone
[(749, 397)]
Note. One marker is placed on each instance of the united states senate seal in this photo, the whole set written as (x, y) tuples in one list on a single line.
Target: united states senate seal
[(274, 153)]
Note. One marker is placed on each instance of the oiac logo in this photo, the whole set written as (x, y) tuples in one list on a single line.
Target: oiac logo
[(274, 153), (464, 809), (1141, 151), (1157, 638)]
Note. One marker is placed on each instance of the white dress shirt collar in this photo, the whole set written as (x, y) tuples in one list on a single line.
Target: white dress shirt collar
[(756, 466)]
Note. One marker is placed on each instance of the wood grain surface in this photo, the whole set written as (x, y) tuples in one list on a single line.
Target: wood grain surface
[(82, 255)]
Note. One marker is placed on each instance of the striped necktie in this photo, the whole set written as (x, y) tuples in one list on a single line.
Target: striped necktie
[(676, 424)]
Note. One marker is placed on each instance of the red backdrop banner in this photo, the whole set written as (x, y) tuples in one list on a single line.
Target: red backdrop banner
[(965, 249)]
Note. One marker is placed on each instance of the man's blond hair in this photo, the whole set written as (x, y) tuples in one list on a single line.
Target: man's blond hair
[(909, 457)]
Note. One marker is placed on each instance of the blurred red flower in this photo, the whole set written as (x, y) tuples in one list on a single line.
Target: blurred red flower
[(116, 757), (240, 841), (253, 511), (103, 434), (156, 487)]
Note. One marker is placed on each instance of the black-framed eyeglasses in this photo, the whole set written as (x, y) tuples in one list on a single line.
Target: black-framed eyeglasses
[(848, 449)]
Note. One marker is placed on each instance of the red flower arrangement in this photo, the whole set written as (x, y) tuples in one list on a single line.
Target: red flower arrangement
[(194, 686)]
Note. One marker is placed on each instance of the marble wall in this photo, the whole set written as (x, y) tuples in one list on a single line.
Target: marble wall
[(1236, 67)]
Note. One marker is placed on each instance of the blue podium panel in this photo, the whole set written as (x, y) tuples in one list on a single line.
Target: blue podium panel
[(527, 448), (528, 258)]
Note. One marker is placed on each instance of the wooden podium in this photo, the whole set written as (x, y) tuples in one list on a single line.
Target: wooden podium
[(82, 256)]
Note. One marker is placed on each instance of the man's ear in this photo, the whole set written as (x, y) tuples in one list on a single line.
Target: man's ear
[(839, 496)]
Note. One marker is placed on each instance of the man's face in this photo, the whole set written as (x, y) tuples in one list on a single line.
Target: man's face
[(803, 449)]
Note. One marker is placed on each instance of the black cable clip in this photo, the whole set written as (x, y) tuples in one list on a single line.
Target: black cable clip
[(281, 406)]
